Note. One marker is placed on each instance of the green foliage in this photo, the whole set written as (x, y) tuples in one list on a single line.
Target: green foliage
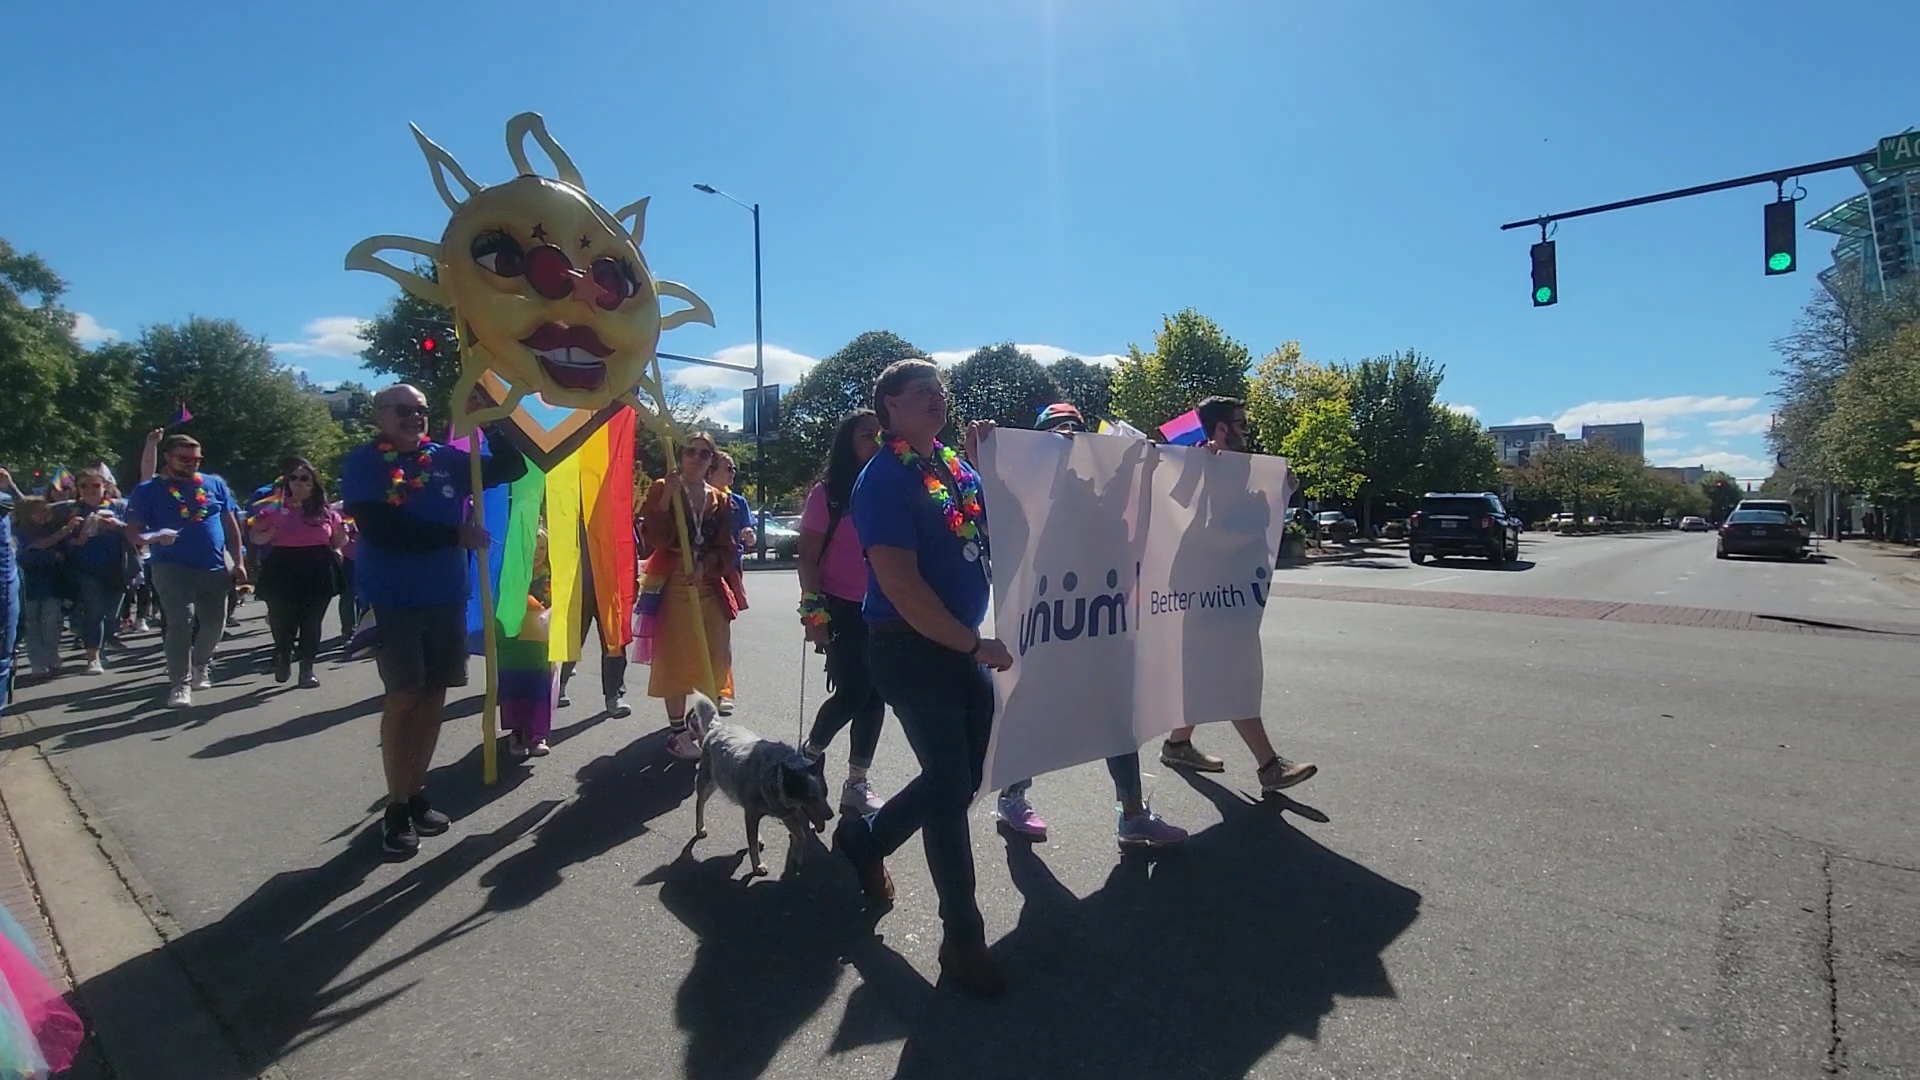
[(39, 367), (1584, 478), (1722, 493), (1191, 359), (1839, 327), (249, 412), (998, 383), (1321, 449), (831, 389), (393, 349), (1875, 401), (1459, 455), (1393, 402), (1089, 386), (1284, 384)]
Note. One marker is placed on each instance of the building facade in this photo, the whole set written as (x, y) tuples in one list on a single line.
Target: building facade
[(1685, 474), (1878, 245), (1519, 442), (1629, 440)]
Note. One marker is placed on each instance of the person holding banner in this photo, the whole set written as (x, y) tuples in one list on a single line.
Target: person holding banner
[(408, 495), (1224, 422), (1139, 826), (918, 511)]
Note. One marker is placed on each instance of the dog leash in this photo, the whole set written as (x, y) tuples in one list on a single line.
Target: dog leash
[(801, 733)]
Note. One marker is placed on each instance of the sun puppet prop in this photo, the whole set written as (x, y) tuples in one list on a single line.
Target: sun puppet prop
[(551, 295)]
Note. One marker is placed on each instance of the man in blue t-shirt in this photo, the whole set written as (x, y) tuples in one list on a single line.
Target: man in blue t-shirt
[(407, 496), (186, 519), (918, 511)]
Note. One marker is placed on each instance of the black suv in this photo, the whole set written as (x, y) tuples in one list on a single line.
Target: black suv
[(1458, 523)]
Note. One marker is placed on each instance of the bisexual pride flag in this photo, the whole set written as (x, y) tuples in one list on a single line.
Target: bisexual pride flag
[(1185, 429)]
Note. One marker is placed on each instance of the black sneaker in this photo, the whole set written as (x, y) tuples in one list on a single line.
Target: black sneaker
[(397, 835), (426, 820), (282, 667)]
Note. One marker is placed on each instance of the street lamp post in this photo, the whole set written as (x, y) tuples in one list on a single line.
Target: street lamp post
[(759, 351)]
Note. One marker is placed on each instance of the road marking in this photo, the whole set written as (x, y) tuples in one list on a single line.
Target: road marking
[(1433, 581)]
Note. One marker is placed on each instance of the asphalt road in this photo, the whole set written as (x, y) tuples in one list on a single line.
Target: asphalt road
[(1646, 568), (1555, 847)]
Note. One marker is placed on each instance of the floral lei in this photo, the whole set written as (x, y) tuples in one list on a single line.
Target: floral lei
[(194, 505), (962, 516), (399, 482)]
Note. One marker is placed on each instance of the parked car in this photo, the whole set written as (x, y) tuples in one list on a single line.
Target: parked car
[(1334, 525), (1760, 532), (780, 537), (1463, 523), (1780, 506), (1395, 529), (1691, 523)]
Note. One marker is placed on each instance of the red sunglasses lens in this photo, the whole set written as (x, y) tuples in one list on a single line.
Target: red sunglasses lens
[(550, 272)]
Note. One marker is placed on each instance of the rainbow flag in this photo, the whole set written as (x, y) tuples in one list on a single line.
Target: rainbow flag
[(1118, 427), (62, 480), (181, 413), (1185, 429)]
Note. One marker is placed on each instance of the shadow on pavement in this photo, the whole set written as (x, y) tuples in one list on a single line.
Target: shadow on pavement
[(1195, 963), (273, 965), (618, 796), (294, 728)]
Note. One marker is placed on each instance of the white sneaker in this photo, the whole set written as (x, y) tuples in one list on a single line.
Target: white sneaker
[(179, 697), (141, 626), (726, 706), (203, 678), (95, 667)]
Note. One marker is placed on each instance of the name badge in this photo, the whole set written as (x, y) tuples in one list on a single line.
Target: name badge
[(971, 552)]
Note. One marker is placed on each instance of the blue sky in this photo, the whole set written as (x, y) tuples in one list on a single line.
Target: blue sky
[(1056, 174)]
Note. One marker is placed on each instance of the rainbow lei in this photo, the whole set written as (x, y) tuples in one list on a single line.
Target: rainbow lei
[(813, 609), (963, 516), (399, 480), (194, 505)]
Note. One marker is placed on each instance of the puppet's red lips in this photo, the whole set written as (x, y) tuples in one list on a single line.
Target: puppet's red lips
[(571, 355)]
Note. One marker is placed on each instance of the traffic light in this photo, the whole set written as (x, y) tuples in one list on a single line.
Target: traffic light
[(1546, 286), (429, 344), (1780, 240)]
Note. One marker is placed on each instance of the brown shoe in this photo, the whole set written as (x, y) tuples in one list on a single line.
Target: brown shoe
[(972, 969), (1185, 755), (875, 883), (1281, 773)]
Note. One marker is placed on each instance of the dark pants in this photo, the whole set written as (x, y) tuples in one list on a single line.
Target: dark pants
[(9, 616), (295, 624), (613, 666), (351, 609), (98, 613), (945, 706), (854, 700)]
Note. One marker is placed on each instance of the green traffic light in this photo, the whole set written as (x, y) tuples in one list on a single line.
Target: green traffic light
[(1542, 295), (1779, 261)]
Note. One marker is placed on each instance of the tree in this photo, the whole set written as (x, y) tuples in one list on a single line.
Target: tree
[(685, 406), (1722, 493), (1088, 386), (1840, 324), (1874, 401), (998, 383), (249, 412), (1578, 476), (394, 349), (1392, 399), (1459, 456), (1191, 359), (1320, 448), (831, 389), (99, 406), (39, 364), (1283, 385)]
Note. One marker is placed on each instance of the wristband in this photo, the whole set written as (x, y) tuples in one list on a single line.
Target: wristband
[(813, 609)]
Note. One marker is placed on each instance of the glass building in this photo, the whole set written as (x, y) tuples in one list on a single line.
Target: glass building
[(1877, 245)]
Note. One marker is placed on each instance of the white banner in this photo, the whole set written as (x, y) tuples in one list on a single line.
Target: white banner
[(1129, 583)]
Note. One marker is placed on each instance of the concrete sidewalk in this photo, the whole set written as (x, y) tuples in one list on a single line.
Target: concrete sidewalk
[(1892, 563)]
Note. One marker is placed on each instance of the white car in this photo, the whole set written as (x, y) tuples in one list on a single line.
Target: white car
[(1694, 524)]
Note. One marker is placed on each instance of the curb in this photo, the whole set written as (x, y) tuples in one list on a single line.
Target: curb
[(145, 1013)]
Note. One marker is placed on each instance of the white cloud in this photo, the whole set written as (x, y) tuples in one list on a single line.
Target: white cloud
[(1757, 424), (335, 335), (1046, 354), (1649, 411), (88, 330), (1463, 410), (783, 366)]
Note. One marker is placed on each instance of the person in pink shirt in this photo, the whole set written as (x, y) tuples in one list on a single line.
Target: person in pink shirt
[(833, 583), (304, 536)]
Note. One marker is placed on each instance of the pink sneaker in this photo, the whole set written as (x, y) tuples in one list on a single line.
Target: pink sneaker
[(1149, 830), (1016, 813)]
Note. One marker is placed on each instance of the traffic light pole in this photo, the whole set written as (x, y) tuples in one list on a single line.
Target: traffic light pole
[(1773, 177)]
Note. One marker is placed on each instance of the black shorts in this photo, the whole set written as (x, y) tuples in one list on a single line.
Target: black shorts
[(422, 648)]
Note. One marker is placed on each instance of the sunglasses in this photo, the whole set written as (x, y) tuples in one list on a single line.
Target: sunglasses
[(407, 410), (700, 452), (185, 460), (299, 479)]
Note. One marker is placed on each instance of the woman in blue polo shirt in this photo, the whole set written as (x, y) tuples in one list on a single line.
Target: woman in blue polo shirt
[(919, 513), (97, 552)]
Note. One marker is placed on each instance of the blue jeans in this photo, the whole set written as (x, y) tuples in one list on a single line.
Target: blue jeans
[(1124, 768), (9, 618), (98, 612), (945, 706), (40, 625)]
